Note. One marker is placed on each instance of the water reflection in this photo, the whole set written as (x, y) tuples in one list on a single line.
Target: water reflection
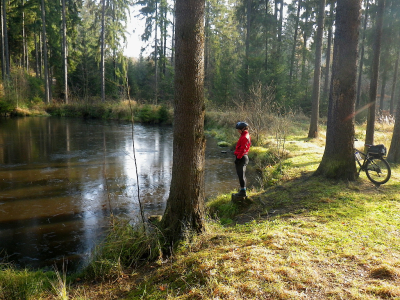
[(60, 179)]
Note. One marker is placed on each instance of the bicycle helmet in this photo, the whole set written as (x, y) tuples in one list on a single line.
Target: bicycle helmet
[(241, 125)]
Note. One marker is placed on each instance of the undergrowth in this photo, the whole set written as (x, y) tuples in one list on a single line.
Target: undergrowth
[(18, 284), (127, 245), (121, 110)]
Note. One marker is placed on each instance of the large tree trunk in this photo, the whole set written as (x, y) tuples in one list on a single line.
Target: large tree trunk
[(164, 65), (266, 34), (37, 60), (304, 78), (280, 25), (25, 62), (338, 159), (313, 132), (247, 43), (44, 54), (3, 66), (328, 53), (362, 56), (6, 60), (156, 57), (383, 90), (394, 150), (114, 50), (102, 50), (369, 136), (185, 209), (65, 52), (41, 64), (207, 50), (296, 30), (275, 28), (396, 70), (173, 34)]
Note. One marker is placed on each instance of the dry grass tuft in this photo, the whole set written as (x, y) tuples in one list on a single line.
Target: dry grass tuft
[(384, 272), (384, 290)]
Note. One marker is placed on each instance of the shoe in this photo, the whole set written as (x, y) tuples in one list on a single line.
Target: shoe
[(242, 193)]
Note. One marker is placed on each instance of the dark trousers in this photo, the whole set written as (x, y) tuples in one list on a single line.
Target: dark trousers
[(240, 165)]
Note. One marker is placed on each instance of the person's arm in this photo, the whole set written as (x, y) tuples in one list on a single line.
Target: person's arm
[(241, 147)]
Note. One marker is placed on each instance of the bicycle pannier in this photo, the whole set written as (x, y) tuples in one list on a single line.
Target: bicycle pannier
[(377, 150)]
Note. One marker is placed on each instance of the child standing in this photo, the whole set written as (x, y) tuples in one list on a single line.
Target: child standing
[(241, 151)]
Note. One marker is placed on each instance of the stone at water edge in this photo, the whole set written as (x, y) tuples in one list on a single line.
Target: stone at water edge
[(240, 200)]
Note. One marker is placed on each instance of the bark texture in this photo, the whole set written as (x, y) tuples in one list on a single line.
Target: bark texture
[(394, 150), (338, 159), (369, 135), (45, 60), (185, 209), (313, 131), (102, 52), (65, 51)]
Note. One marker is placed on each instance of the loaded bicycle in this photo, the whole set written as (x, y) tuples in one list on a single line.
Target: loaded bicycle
[(373, 163)]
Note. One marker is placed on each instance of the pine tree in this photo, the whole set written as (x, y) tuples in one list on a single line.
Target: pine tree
[(185, 209), (313, 131), (44, 53), (338, 159), (369, 136)]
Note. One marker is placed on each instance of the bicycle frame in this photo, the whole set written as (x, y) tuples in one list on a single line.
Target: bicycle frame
[(362, 156)]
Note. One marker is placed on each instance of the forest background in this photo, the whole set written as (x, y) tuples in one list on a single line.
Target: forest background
[(73, 51)]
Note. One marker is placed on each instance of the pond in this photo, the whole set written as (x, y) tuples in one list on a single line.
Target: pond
[(60, 179)]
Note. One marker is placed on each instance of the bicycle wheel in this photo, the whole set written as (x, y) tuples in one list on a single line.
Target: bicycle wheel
[(378, 170)]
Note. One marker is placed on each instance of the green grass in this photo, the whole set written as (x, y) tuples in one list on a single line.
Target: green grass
[(125, 246), (309, 238), (24, 284), (304, 238)]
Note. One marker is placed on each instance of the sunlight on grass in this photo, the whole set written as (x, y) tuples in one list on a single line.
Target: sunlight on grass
[(60, 285), (304, 237), (310, 238), (23, 284)]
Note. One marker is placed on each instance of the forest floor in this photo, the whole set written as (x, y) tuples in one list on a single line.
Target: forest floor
[(305, 237)]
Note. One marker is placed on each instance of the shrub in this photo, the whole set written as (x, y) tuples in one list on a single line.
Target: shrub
[(6, 107), (36, 100), (268, 165), (146, 114), (36, 89), (223, 144), (163, 114), (262, 156)]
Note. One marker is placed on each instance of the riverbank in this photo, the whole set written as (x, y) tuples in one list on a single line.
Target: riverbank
[(111, 110), (302, 238)]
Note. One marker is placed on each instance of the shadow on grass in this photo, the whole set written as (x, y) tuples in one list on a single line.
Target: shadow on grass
[(305, 194)]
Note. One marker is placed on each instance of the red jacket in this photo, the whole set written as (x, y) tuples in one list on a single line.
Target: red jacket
[(243, 144)]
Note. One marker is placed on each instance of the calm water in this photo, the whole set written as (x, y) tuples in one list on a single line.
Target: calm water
[(61, 178)]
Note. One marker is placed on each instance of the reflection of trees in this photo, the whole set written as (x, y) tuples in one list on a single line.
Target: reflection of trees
[(55, 172), (153, 154)]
